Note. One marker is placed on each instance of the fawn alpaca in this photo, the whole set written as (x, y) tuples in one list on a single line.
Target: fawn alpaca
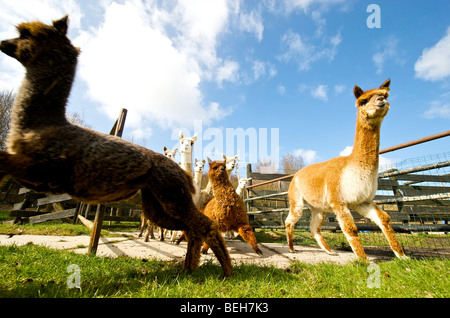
[(227, 207), (345, 183), (48, 154)]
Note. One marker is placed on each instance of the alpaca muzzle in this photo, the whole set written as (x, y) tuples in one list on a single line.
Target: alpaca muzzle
[(9, 47)]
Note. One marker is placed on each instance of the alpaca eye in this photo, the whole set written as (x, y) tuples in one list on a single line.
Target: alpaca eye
[(363, 102)]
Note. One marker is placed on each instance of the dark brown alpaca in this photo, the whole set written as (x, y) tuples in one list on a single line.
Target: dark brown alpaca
[(46, 153), (227, 207)]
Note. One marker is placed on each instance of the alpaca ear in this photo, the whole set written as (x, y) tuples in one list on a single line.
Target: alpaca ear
[(386, 84), (165, 148), (204, 161), (357, 91), (194, 138), (224, 157), (209, 161), (61, 24)]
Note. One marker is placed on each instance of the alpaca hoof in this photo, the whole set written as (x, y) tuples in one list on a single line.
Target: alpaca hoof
[(292, 251), (259, 252)]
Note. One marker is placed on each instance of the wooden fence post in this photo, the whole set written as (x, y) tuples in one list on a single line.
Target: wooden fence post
[(97, 227), (117, 130)]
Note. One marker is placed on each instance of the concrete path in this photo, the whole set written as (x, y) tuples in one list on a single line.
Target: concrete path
[(273, 253)]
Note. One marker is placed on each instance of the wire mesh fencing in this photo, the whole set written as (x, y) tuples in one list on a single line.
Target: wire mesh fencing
[(415, 193)]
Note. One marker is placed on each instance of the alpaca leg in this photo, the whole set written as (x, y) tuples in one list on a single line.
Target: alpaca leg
[(317, 218), (246, 232), (211, 235), (193, 250), (295, 212), (215, 240), (161, 231), (143, 222), (383, 220), (348, 226), (149, 232)]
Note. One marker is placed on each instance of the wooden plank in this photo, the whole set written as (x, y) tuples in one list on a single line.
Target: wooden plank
[(25, 213), (86, 222), (54, 199), (52, 216), (423, 178), (118, 218), (97, 228)]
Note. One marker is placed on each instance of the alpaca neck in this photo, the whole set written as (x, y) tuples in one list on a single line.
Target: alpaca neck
[(198, 178), (42, 97), (221, 184), (367, 145), (240, 189), (229, 174), (186, 161)]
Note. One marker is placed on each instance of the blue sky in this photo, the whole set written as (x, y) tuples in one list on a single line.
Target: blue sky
[(281, 72)]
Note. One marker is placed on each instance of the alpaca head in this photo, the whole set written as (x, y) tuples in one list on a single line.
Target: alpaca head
[(199, 166), (243, 182), (372, 104), (217, 170), (230, 162), (170, 153), (187, 144), (41, 45)]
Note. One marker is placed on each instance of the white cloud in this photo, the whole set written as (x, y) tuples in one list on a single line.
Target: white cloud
[(227, 72), (386, 52), (434, 63), (438, 109), (339, 89), (320, 92), (15, 12), (347, 151), (261, 69), (131, 61), (252, 22), (309, 156), (305, 53), (281, 89)]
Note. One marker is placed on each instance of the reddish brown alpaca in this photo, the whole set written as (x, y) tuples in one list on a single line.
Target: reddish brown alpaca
[(48, 154), (227, 207), (345, 183)]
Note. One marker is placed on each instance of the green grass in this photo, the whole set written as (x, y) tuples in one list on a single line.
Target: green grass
[(35, 271)]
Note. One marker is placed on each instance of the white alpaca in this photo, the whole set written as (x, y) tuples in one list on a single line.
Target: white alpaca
[(230, 163), (198, 172), (243, 182), (345, 183), (186, 150), (170, 153)]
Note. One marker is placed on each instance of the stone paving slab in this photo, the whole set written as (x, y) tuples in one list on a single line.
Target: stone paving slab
[(273, 253)]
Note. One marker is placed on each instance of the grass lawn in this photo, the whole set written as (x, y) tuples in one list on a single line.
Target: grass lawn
[(35, 271)]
